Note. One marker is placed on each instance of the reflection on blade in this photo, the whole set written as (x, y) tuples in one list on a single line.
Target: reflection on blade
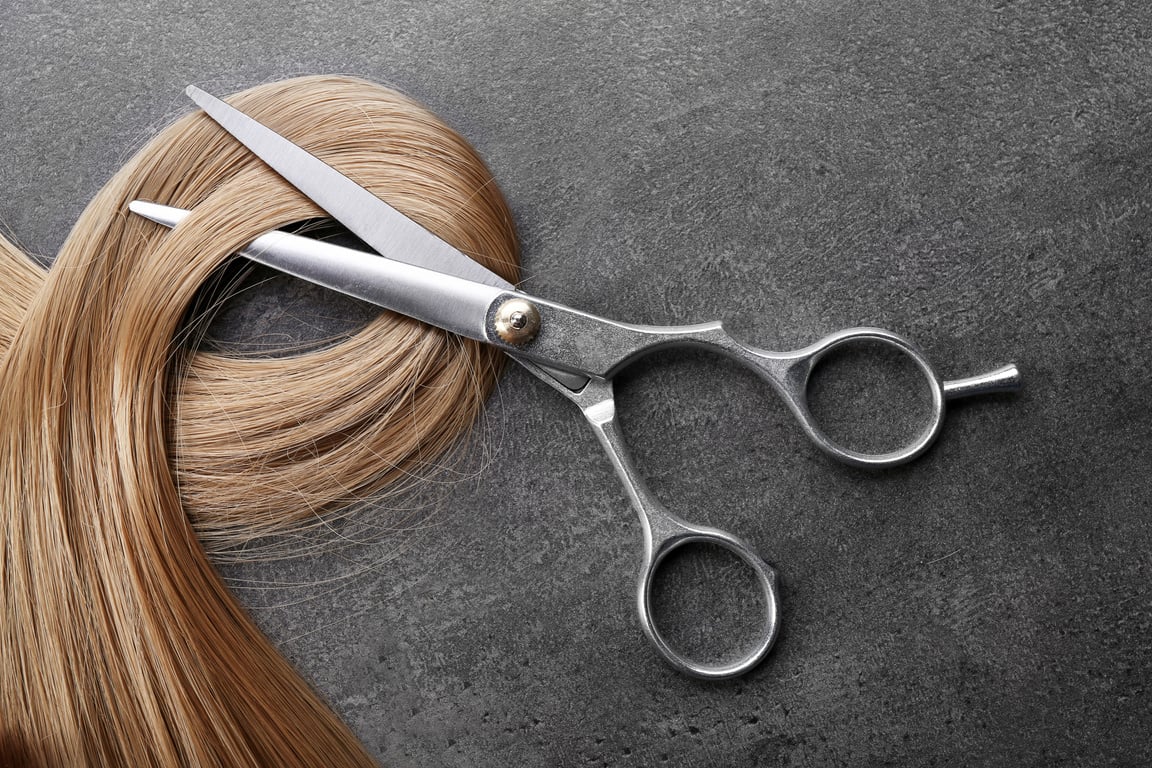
[(390, 232), (448, 302)]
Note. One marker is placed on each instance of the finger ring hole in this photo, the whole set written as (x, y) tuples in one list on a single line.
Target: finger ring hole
[(870, 396), (708, 604)]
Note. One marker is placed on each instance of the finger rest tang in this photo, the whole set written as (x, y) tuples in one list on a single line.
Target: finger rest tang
[(1004, 379)]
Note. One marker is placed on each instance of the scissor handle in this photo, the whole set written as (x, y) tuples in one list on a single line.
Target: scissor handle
[(664, 533), (791, 373), (600, 347), (669, 534)]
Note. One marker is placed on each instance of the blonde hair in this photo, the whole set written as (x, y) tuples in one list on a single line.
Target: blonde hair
[(127, 455)]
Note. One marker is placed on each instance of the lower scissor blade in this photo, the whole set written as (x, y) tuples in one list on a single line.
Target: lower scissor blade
[(448, 302)]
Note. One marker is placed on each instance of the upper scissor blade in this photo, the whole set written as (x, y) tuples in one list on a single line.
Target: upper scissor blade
[(389, 232)]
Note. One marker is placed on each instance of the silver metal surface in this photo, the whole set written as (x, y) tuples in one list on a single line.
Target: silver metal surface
[(516, 322), (574, 352), (604, 347), (1004, 379), (440, 299), (368, 217), (584, 344), (664, 532), (578, 341)]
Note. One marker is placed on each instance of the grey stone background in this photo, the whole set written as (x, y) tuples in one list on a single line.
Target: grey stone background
[(973, 174)]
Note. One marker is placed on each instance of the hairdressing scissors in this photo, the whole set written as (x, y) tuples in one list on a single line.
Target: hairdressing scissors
[(576, 353)]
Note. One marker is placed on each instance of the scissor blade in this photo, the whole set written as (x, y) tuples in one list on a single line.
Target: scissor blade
[(446, 301), (389, 232)]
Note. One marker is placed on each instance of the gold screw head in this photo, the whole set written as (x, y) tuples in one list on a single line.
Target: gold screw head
[(517, 321)]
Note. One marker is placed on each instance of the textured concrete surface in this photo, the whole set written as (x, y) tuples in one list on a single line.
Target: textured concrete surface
[(973, 174)]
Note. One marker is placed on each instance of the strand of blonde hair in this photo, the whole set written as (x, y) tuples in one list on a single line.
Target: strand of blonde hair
[(127, 456)]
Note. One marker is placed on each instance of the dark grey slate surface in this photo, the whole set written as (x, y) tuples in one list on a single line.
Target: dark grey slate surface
[(972, 174)]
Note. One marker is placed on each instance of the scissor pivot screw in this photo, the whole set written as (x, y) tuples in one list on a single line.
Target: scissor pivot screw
[(517, 321)]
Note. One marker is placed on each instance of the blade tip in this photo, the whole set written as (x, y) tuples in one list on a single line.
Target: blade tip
[(143, 208), (161, 214), (197, 95)]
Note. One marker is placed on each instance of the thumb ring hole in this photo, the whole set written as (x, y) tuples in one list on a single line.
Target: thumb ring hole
[(708, 604), (869, 396)]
